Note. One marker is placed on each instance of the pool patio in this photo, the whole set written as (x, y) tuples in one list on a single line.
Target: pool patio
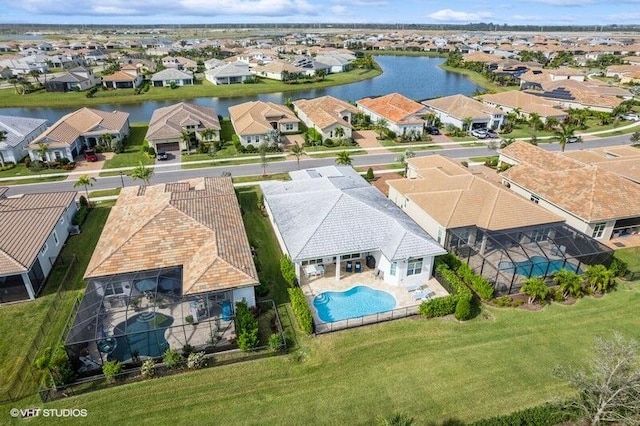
[(406, 304)]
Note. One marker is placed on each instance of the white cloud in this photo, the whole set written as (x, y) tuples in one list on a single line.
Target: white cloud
[(338, 9), (448, 15), (367, 3)]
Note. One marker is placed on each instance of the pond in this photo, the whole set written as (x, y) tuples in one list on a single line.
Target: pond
[(416, 77)]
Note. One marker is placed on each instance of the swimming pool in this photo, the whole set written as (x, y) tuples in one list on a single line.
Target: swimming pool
[(142, 334), (539, 264), (358, 301)]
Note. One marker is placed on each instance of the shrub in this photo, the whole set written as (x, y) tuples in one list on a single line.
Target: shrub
[(482, 286), (275, 342), (171, 358), (8, 166), (27, 162), (438, 307), (151, 151), (288, 270), (83, 201), (369, 176), (80, 215), (503, 301), (189, 319), (196, 361), (246, 327), (448, 259), (542, 415), (618, 267), (262, 289), (187, 350), (301, 309), (463, 308), (148, 369), (250, 148), (110, 369), (328, 142)]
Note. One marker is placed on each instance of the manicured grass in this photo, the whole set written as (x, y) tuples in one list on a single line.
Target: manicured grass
[(320, 154), (478, 79), (630, 256), (21, 171), (202, 88), (104, 193), (133, 153), (483, 159), (275, 176), (230, 161), (226, 130), (416, 148), (429, 369), (20, 322)]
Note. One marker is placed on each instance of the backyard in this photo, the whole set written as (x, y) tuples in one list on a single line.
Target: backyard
[(133, 153)]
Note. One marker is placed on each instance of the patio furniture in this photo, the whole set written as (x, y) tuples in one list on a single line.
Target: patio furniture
[(423, 294), (371, 262), (145, 285), (349, 266), (412, 287), (358, 267), (314, 270)]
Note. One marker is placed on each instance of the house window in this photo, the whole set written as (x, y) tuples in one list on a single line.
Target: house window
[(44, 249), (55, 237), (113, 289), (350, 256), (538, 235), (598, 230), (414, 267), (57, 154), (288, 127), (535, 199), (312, 262), (393, 269)]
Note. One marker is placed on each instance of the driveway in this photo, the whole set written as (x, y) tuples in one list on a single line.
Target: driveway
[(90, 168), (171, 164), (368, 139)]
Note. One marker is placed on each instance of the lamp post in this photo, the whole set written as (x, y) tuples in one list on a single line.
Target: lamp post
[(122, 179)]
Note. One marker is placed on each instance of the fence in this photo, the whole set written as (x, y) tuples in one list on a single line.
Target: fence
[(18, 388), (366, 319)]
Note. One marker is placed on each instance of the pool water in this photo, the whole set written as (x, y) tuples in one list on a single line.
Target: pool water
[(540, 265), (143, 333), (358, 301)]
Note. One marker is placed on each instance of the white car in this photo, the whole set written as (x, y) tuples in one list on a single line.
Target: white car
[(630, 117), (479, 133)]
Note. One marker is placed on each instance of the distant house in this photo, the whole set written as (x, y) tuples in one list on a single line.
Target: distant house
[(278, 70), (326, 114), (401, 113), (96, 56), (179, 63), (77, 79), (228, 73), (19, 131), (456, 109), (253, 121), (213, 63), (69, 136), (525, 103), (129, 77), (172, 76), (336, 61), (33, 230), (168, 124)]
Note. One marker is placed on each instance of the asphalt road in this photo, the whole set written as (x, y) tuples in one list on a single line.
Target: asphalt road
[(164, 176)]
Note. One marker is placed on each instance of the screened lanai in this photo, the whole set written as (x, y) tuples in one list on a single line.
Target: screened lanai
[(508, 258), (130, 317)]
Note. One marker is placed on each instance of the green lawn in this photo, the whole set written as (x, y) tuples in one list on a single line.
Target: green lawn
[(226, 130), (21, 171), (630, 256), (133, 153), (104, 192), (415, 148), (20, 322), (478, 79), (321, 154), (429, 369), (275, 176), (229, 161)]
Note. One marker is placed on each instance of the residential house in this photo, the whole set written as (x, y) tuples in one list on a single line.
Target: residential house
[(72, 134), (583, 95), (129, 77), (77, 79), (535, 78), (33, 230), (25, 65), (168, 125), (525, 103), (465, 113), (278, 70), (96, 56), (336, 61), (172, 77), (228, 73), (326, 114), (593, 200), (331, 215), (622, 160), (213, 63), (179, 63), (19, 131), (403, 116), (254, 121)]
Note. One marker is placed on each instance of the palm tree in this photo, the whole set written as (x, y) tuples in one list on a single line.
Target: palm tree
[(535, 121), (404, 157), (550, 123), (635, 137), (35, 74), (564, 133), (262, 151), (141, 172), (535, 288), (466, 124), (86, 181), (42, 150), (344, 158), (3, 137), (339, 133), (105, 141), (186, 137), (518, 113), (298, 151), (599, 277), (381, 127), (569, 282)]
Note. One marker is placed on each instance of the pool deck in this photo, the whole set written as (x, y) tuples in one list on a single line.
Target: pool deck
[(405, 303)]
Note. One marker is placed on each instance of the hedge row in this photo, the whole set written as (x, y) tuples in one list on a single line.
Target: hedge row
[(481, 285), (288, 271), (246, 327), (458, 302), (301, 309), (543, 415)]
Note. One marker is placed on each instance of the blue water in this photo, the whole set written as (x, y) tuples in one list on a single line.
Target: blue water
[(141, 334), (335, 306), (540, 265)]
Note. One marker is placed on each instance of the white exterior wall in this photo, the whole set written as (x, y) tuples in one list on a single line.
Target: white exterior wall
[(20, 151), (245, 293), (393, 126), (329, 131), (48, 256), (401, 278), (254, 140), (447, 119)]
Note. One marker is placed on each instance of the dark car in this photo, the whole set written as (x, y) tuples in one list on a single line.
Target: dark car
[(162, 155), (432, 130), (90, 155)]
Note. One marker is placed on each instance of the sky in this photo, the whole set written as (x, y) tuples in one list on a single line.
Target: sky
[(532, 12)]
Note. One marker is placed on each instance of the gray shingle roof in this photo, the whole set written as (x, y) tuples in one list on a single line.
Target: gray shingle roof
[(332, 210), (17, 128)]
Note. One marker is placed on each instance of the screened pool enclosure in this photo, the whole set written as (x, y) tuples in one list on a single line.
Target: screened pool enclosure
[(131, 317), (509, 258)]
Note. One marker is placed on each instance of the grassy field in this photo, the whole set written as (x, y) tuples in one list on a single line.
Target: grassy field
[(20, 171), (104, 192), (133, 153), (630, 256), (230, 161), (275, 176), (9, 98), (20, 322)]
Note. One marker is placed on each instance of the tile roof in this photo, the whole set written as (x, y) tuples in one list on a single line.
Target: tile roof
[(461, 107), (394, 107), (235, 69), (25, 224), (121, 75), (454, 197), (526, 102), (332, 210), (325, 111), (168, 122), (195, 224), (66, 130), (622, 160), (17, 128), (481, 57), (587, 191), (171, 74), (252, 118)]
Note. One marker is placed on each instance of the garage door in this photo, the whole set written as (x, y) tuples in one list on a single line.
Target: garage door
[(174, 146)]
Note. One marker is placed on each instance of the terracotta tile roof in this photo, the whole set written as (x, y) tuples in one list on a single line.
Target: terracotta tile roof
[(66, 130), (526, 102), (454, 197), (622, 160), (586, 93), (325, 111), (460, 107), (168, 122), (587, 191), (394, 107), (481, 57), (195, 224), (253, 118), (25, 224), (121, 75)]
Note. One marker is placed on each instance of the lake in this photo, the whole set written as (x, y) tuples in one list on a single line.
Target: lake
[(416, 77)]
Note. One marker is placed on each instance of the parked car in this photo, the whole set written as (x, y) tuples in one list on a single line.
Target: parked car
[(90, 155), (491, 133), (432, 130), (630, 117), (574, 139), (479, 133), (162, 156)]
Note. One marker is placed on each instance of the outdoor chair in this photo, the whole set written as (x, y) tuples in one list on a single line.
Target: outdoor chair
[(412, 287), (358, 267), (349, 266)]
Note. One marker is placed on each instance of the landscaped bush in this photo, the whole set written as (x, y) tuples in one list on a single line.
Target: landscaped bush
[(8, 166), (543, 415), (148, 369), (328, 143), (618, 267), (448, 259), (171, 358), (439, 306), (369, 176), (288, 270), (301, 309), (81, 214), (250, 148), (196, 361), (275, 341), (481, 285), (463, 308), (151, 151), (442, 306), (111, 369), (246, 327)]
